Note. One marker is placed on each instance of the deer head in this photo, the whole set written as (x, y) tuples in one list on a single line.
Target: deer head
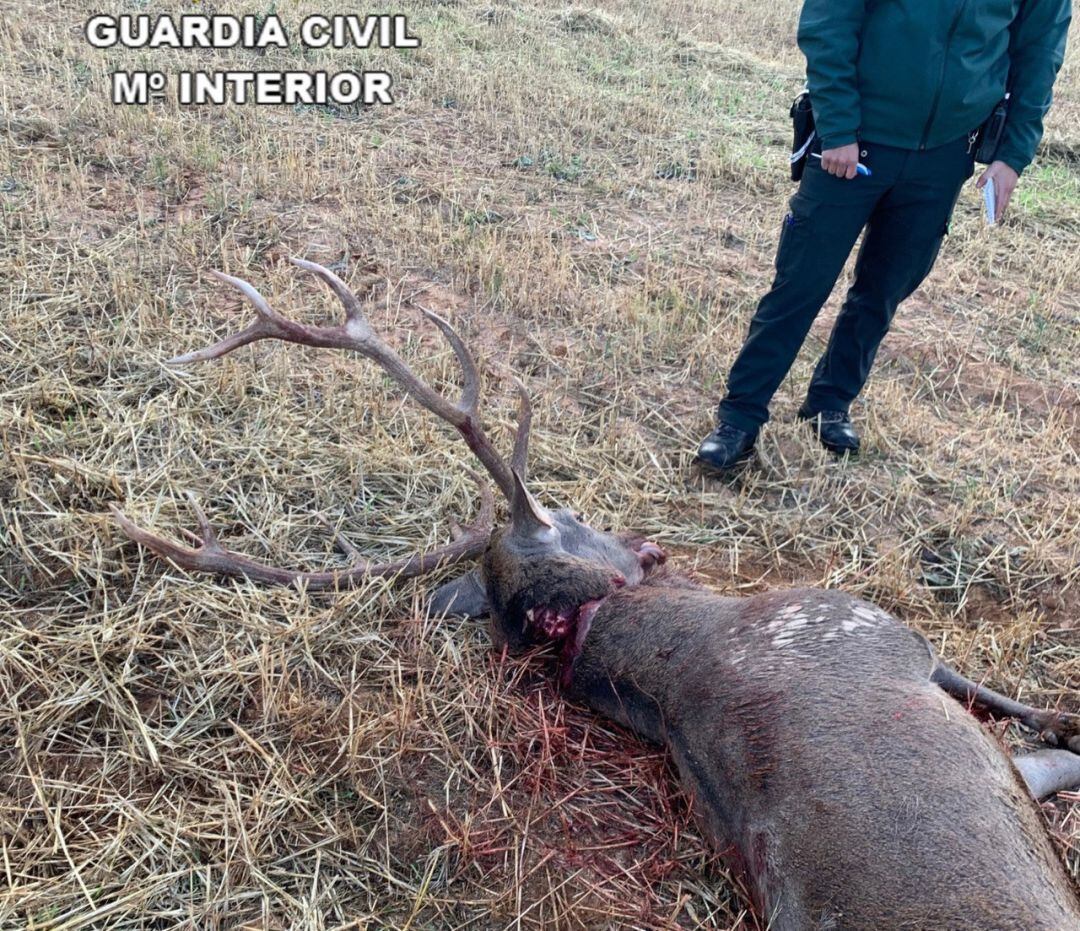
[(541, 575)]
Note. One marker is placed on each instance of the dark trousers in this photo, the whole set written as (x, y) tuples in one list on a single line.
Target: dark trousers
[(905, 207)]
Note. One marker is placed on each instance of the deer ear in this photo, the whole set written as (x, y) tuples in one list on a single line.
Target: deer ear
[(465, 596), (526, 513)]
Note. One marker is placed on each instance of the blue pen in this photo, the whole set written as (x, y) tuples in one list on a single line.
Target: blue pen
[(860, 168)]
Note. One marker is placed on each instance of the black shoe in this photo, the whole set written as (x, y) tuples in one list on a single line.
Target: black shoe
[(725, 448), (833, 430)]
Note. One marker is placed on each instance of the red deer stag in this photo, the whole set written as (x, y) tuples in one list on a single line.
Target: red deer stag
[(827, 748)]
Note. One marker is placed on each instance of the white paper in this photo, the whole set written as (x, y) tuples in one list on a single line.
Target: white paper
[(990, 201)]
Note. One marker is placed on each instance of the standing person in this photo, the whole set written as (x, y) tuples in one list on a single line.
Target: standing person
[(899, 88)]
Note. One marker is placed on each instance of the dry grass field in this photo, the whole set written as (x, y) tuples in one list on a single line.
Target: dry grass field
[(592, 196)]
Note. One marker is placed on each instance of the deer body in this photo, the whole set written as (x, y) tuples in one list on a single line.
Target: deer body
[(815, 732), (850, 790)]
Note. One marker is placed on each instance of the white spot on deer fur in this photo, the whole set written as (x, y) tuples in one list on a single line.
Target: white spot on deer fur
[(862, 617), (867, 614), (783, 616), (790, 623), (790, 633), (850, 625)]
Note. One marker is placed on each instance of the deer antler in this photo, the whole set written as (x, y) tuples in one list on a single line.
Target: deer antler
[(355, 334), (210, 556)]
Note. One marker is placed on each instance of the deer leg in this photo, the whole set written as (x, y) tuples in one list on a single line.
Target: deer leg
[(1049, 771), (1055, 727)]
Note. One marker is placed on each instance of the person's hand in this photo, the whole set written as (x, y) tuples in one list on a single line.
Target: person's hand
[(1005, 179), (841, 162)]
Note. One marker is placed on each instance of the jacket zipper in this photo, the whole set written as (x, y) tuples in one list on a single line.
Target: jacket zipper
[(941, 79)]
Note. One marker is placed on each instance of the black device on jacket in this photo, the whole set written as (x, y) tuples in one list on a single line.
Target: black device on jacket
[(802, 120), (990, 133)]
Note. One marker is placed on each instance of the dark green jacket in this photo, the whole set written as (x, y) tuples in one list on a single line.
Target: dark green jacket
[(921, 73)]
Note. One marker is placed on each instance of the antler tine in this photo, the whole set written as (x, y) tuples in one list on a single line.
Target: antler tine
[(357, 334), (214, 558), (354, 312), (519, 461), (269, 325), (470, 392)]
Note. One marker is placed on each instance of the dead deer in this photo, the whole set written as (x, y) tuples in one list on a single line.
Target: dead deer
[(829, 752)]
